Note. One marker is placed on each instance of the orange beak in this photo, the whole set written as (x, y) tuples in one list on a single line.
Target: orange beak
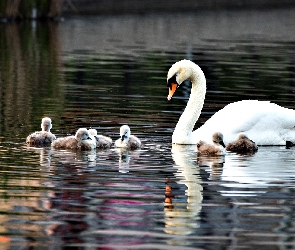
[(171, 91)]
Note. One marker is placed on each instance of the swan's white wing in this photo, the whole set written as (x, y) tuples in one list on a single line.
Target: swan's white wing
[(263, 122)]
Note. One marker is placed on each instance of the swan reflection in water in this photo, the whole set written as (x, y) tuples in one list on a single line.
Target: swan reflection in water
[(182, 217), (251, 174), (213, 163), (126, 157), (268, 167), (72, 169), (235, 171)]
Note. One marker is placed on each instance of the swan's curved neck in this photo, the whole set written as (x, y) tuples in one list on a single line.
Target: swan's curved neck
[(46, 128), (184, 128)]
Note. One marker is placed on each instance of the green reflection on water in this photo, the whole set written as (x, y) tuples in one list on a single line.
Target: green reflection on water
[(85, 88), (30, 77)]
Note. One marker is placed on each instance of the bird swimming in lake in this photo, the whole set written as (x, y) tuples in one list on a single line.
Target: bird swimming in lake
[(101, 141), (264, 122), (42, 138), (127, 140), (81, 141), (215, 148), (242, 145)]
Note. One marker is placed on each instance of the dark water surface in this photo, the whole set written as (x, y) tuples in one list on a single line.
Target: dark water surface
[(103, 72)]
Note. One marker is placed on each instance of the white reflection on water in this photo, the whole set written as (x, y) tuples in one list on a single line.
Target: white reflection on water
[(182, 218), (252, 175), (126, 158)]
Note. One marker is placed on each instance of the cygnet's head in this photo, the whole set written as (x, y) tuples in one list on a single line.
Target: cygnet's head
[(181, 71), (93, 133), (46, 124), (200, 144), (218, 138), (82, 134), (125, 133), (243, 137)]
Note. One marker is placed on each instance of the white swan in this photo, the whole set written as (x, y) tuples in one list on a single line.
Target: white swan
[(127, 140), (264, 122), (81, 141), (101, 140), (216, 148), (44, 137)]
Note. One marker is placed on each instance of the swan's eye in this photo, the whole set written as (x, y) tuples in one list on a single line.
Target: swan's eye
[(171, 81)]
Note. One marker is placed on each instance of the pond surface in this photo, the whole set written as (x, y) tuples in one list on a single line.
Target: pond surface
[(103, 72)]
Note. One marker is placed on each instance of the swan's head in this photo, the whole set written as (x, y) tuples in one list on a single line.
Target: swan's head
[(82, 134), (218, 138), (93, 133), (125, 133), (200, 144), (181, 71), (243, 137), (46, 124)]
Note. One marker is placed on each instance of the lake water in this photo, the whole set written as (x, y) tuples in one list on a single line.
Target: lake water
[(103, 72)]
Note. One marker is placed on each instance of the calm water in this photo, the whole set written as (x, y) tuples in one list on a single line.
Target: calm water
[(103, 72)]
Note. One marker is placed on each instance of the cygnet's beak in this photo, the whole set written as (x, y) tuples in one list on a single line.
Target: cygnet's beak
[(222, 144), (123, 137), (89, 138), (172, 88)]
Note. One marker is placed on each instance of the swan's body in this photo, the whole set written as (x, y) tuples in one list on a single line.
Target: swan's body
[(44, 137), (215, 148), (243, 145), (101, 141), (127, 140), (264, 122), (81, 141)]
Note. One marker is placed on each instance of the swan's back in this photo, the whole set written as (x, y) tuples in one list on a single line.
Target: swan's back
[(217, 146), (134, 142), (80, 141), (264, 122), (104, 141), (101, 140), (40, 139), (243, 145), (204, 148), (69, 142)]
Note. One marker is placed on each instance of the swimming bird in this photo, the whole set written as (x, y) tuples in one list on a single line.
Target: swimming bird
[(243, 145), (81, 141), (289, 144), (127, 140), (215, 148), (101, 141), (44, 137), (264, 122)]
